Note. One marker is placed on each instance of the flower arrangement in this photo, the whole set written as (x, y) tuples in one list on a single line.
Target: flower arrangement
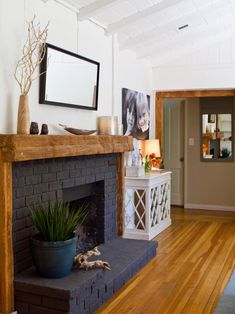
[(150, 161), (154, 160), (147, 164)]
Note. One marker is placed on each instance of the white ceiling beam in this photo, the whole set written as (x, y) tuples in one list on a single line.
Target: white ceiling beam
[(181, 38), (173, 25), (93, 8), (117, 26), (192, 41), (180, 52)]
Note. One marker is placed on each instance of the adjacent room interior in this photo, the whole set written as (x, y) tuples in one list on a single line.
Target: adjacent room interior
[(117, 156)]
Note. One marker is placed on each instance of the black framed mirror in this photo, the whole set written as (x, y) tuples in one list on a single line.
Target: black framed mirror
[(217, 129), (68, 79)]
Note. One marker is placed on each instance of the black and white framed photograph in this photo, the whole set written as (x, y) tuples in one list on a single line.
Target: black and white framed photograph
[(135, 114)]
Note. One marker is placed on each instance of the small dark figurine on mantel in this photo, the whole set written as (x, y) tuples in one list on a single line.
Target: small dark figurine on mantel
[(44, 130), (34, 128)]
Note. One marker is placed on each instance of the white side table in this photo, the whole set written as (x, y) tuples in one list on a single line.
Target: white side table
[(147, 205)]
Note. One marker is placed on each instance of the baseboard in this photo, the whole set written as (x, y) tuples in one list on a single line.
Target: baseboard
[(210, 207)]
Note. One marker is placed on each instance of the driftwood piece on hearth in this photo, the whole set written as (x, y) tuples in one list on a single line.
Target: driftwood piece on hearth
[(81, 260)]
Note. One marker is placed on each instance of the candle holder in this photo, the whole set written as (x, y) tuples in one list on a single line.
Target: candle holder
[(108, 125)]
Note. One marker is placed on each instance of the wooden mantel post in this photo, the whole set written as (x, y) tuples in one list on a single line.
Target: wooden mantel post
[(120, 195), (6, 251)]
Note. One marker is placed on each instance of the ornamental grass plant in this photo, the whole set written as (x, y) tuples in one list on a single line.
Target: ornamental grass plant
[(56, 221)]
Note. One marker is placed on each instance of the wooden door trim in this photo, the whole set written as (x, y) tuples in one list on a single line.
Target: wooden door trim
[(160, 95)]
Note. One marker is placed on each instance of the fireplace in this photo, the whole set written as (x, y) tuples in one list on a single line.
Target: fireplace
[(92, 177), (78, 180), (91, 197)]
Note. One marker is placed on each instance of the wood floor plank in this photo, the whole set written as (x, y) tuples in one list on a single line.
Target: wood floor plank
[(195, 258)]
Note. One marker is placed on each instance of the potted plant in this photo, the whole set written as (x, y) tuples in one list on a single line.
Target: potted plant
[(54, 248), (225, 153)]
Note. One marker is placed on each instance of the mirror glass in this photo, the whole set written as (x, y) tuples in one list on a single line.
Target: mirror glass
[(68, 79), (217, 136)]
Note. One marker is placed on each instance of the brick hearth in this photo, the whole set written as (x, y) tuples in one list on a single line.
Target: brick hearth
[(83, 291)]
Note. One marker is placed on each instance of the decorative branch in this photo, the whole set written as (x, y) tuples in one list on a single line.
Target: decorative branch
[(33, 53), (81, 260)]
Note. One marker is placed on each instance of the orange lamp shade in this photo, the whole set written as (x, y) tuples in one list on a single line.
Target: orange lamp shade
[(150, 147)]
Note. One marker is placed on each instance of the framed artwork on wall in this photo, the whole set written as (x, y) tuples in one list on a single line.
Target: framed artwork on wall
[(135, 114)]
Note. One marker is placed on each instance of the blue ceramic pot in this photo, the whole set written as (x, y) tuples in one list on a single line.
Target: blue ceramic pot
[(53, 259)]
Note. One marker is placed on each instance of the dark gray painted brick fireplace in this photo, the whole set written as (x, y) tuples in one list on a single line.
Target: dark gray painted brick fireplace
[(81, 291), (50, 179)]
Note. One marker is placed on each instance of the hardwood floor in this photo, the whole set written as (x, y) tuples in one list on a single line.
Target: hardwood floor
[(195, 259)]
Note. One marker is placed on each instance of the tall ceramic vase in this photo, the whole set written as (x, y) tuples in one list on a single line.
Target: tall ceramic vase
[(23, 122)]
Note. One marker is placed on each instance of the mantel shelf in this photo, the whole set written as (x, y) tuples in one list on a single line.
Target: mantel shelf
[(31, 147)]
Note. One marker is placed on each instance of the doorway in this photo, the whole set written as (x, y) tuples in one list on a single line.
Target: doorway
[(161, 96), (173, 146)]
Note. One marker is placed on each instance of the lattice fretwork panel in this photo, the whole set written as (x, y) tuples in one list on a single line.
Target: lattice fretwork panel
[(159, 208), (135, 209)]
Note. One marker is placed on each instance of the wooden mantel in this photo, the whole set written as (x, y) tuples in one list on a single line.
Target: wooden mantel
[(31, 147), (15, 148)]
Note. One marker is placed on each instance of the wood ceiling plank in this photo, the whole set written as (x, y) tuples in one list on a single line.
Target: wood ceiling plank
[(163, 5), (93, 8), (172, 25)]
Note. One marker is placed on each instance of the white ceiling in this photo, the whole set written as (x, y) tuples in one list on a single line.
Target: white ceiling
[(151, 27)]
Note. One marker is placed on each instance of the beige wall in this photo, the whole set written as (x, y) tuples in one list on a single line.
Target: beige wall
[(206, 183)]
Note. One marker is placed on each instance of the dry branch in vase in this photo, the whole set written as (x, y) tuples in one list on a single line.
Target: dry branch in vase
[(32, 55), (81, 260)]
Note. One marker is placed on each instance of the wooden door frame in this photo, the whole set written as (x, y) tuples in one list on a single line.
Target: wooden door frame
[(160, 95)]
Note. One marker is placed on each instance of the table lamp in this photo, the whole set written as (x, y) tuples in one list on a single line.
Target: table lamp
[(152, 147)]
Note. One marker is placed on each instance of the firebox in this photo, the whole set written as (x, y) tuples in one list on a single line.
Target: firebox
[(93, 230)]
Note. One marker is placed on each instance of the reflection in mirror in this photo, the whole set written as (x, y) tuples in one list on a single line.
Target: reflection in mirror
[(217, 136), (69, 79)]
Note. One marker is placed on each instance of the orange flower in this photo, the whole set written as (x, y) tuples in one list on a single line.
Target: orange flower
[(204, 148), (154, 163)]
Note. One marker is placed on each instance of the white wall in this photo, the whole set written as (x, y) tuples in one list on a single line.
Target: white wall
[(136, 75), (84, 38), (209, 185), (209, 68)]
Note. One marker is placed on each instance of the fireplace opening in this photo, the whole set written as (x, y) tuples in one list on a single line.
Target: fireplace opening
[(91, 195)]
